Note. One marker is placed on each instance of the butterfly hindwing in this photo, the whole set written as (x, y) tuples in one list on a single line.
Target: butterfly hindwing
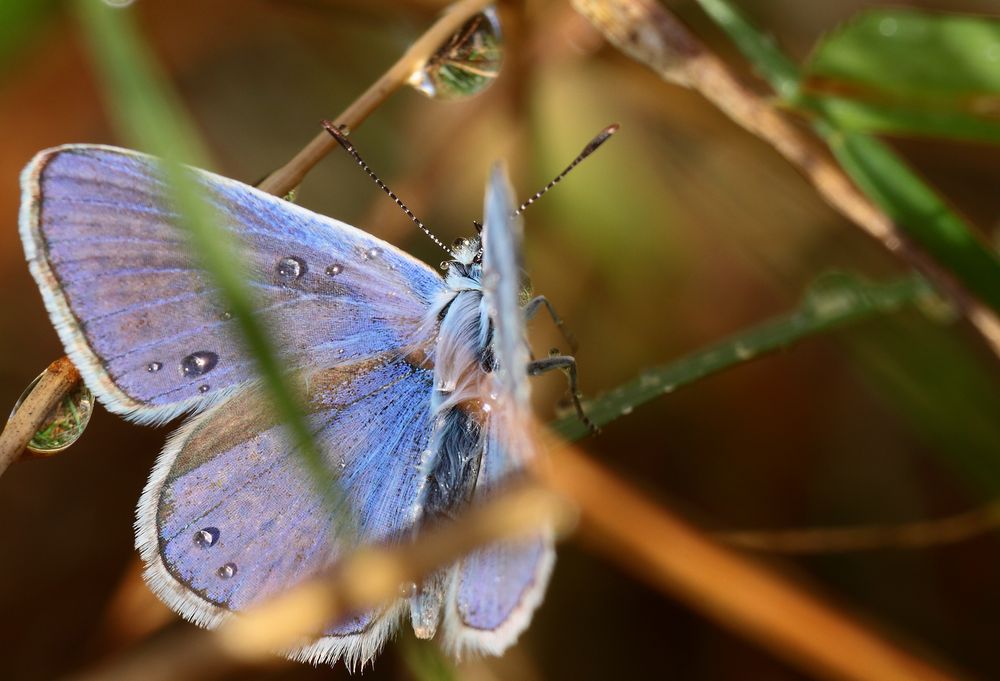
[(493, 592), (231, 516), (140, 319)]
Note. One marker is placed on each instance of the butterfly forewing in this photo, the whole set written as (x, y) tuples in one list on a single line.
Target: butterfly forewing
[(141, 320)]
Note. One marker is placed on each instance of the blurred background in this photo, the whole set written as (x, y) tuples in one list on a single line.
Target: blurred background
[(682, 230)]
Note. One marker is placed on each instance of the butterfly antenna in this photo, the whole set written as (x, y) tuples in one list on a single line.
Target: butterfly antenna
[(341, 138), (591, 147)]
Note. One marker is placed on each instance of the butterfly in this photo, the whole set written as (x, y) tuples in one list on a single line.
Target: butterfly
[(416, 390)]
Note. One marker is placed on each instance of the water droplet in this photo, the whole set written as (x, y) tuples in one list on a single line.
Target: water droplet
[(373, 253), (203, 388), (340, 352), (199, 363), (888, 27), (445, 264), (487, 407), (291, 268), (153, 367), (467, 63), (227, 315), (206, 537), (227, 570), (627, 409), (335, 269), (743, 352), (65, 422), (460, 242), (408, 590)]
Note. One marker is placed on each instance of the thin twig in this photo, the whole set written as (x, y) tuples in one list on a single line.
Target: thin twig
[(920, 534), (290, 175), (58, 381), (650, 34)]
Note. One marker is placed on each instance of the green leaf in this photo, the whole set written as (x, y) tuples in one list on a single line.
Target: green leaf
[(878, 171), (907, 71), (151, 118), (834, 300)]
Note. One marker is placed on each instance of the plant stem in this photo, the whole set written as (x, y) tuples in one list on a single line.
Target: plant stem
[(290, 175)]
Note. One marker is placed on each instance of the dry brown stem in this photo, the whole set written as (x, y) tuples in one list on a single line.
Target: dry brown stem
[(289, 176), (654, 544), (59, 379), (645, 539), (648, 33)]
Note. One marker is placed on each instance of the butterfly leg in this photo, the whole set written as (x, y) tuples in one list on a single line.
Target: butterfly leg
[(567, 364), (532, 308)]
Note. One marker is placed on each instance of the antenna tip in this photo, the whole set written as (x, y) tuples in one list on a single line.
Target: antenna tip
[(600, 139), (338, 132)]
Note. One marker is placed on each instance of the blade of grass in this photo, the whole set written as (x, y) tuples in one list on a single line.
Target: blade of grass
[(150, 117), (879, 172), (834, 300)]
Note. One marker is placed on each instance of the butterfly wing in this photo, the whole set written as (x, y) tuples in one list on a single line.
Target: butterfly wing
[(230, 515), (142, 322), (493, 592)]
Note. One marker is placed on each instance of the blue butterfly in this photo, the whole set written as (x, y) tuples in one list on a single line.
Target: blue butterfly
[(416, 390)]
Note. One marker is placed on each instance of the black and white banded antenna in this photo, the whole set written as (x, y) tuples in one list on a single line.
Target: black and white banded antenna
[(341, 138), (599, 139)]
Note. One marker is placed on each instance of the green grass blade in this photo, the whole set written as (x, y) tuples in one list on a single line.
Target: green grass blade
[(760, 50), (150, 117), (832, 301)]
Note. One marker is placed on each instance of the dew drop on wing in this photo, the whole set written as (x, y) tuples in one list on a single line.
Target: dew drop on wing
[(290, 268), (227, 570), (335, 269), (206, 537), (203, 388), (199, 363), (153, 367)]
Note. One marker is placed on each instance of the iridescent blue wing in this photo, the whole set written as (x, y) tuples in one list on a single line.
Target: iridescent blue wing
[(141, 321), (231, 517), (493, 592)]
